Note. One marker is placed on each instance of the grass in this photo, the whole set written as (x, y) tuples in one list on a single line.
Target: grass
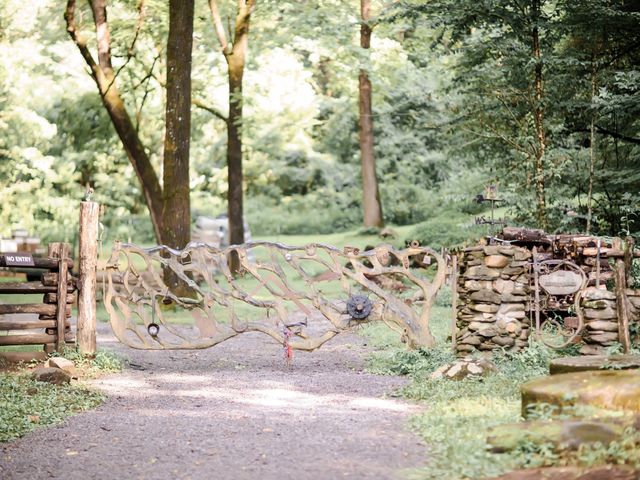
[(26, 404), (459, 414)]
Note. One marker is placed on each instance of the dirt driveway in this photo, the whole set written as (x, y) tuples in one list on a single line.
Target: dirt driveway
[(235, 411)]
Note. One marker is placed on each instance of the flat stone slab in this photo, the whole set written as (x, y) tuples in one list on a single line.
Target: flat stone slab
[(564, 434), (593, 362), (605, 389), (606, 472)]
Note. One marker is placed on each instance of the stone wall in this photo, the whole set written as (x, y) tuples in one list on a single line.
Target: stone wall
[(601, 321), (493, 304), (493, 290)]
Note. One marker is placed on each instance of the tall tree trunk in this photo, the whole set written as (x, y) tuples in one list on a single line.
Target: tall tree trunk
[(234, 150), (235, 55), (176, 212), (104, 77), (592, 149), (539, 150), (372, 207)]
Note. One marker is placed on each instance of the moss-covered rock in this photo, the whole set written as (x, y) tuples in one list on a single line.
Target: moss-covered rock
[(593, 362), (563, 434), (607, 389), (606, 472)]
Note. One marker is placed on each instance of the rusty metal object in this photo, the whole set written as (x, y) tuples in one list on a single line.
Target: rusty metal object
[(558, 285), (299, 290)]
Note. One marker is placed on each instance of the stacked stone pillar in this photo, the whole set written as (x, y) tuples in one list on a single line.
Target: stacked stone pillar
[(493, 288)]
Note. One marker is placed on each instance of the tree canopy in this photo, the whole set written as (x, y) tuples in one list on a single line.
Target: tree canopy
[(540, 97)]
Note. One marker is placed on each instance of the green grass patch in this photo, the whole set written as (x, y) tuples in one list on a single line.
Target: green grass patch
[(26, 404), (459, 414)]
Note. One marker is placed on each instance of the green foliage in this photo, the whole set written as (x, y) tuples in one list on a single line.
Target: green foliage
[(448, 228), (26, 404), (104, 361)]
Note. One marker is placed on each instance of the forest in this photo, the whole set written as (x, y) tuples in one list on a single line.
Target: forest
[(539, 98)]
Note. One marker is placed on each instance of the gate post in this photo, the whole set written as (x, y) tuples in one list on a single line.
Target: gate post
[(89, 212)]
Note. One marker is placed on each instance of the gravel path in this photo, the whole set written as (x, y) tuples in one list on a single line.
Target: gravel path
[(235, 411)]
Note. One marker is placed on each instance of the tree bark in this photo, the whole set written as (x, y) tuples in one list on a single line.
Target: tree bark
[(235, 56), (176, 211), (592, 151), (104, 77), (234, 149), (372, 207), (538, 111)]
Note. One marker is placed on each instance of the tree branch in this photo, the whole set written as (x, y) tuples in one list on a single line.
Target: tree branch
[(619, 136), (219, 27), (212, 110)]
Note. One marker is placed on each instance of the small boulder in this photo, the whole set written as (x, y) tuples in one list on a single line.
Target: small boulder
[(63, 364), (388, 233), (564, 434), (605, 472), (464, 368), (52, 375)]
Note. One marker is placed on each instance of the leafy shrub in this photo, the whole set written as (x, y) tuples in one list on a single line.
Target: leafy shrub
[(449, 229), (26, 404)]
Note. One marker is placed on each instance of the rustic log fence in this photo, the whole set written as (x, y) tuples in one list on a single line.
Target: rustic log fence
[(52, 327)]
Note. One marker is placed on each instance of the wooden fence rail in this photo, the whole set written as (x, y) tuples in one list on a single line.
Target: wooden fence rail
[(52, 327)]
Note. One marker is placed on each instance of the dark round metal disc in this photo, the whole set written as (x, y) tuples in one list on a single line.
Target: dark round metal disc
[(359, 307), (153, 329)]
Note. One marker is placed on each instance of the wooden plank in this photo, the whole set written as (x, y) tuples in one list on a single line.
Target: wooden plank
[(88, 261), (26, 288), (53, 298), (61, 252), (622, 303), (40, 308), (28, 324), (46, 263), (17, 357), (35, 339)]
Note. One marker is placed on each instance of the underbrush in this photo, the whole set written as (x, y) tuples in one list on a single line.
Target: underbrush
[(103, 362), (26, 404), (459, 414)]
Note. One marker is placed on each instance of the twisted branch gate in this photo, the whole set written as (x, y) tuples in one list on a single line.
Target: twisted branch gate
[(301, 296)]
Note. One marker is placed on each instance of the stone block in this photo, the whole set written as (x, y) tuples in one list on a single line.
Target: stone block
[(521, 254), (484, 307), (492, 250), (513, 271), (600, 314), (475, 285), (504, 286), (602, 325), (503, 341), (471, 340), (603, 337), (496, 261), (481, 272), (63, 364), (593, 293), (485, 296)]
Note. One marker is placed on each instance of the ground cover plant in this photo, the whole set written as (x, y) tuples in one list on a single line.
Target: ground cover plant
[(26, 404), (459, 413)]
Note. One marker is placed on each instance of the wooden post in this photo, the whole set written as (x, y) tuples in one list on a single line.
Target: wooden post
[(621, 299), (61, 307), (454, 301), (89, 212)]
